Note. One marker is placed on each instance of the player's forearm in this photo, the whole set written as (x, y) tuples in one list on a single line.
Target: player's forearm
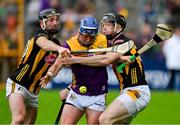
[(52, 71), (56, 67), (98, 60), (90, 61), (48, 45)]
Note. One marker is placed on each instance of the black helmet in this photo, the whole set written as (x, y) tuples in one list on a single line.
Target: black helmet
[(115, 18), (44, 14)]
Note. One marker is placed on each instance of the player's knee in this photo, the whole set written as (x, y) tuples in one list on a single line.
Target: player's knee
[(105, 119), (126, 120), (64, 120), (19, 119), (101, 119), (123, 120)]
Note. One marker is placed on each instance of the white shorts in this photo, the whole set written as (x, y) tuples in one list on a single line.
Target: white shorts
[(31, 100), (83, 101), (135, 98)]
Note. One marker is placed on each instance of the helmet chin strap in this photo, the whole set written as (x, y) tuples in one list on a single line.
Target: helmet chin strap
[(115, 29), (44, 24), (110, 37)]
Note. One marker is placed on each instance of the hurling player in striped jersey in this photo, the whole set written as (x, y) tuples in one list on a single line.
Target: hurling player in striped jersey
[(23, 85)]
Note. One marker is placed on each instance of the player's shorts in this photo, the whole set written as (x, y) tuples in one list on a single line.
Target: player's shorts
[(135, 98), (31, 100), (96, 103)]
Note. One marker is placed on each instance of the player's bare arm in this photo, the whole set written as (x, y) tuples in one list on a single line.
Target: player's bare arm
[(52, 71), (48, 45), (97, 60)]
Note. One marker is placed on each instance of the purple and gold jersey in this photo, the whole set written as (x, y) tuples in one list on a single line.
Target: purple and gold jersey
[(94, 78), (34, 63), (133, 73)]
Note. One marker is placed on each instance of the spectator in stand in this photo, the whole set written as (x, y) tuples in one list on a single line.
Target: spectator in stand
[(150, 14), (171, 50)]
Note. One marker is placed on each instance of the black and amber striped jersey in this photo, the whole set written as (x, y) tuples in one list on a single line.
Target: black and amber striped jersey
[(133, 73), (34, 63)]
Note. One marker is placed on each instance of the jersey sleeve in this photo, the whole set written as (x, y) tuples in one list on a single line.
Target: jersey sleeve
[(101, 41), (40, 33), (65, 45)]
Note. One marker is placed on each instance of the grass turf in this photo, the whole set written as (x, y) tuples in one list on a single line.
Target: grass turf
[(164, 108)]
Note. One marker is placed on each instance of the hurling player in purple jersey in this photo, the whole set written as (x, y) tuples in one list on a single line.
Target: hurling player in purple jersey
[(134, 91), (89, 84)]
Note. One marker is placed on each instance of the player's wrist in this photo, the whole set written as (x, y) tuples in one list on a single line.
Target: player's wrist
[(68, 88), (59, 49), (50, 74)]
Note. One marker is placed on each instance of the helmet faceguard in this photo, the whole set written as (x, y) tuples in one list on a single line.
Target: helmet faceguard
[(115, 19), (48, 13)]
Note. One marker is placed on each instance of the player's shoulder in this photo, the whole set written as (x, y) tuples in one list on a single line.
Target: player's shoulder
[(40, 32), (55, 40), (101, 37), (72, 40), (123, 37), (120, 39), (100, 41), (72, 43)]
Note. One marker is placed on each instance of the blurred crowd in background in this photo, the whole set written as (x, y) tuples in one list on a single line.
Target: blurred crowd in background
[(142, 17)]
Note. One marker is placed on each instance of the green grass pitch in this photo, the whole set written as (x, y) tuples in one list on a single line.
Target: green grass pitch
[(164, 108)]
